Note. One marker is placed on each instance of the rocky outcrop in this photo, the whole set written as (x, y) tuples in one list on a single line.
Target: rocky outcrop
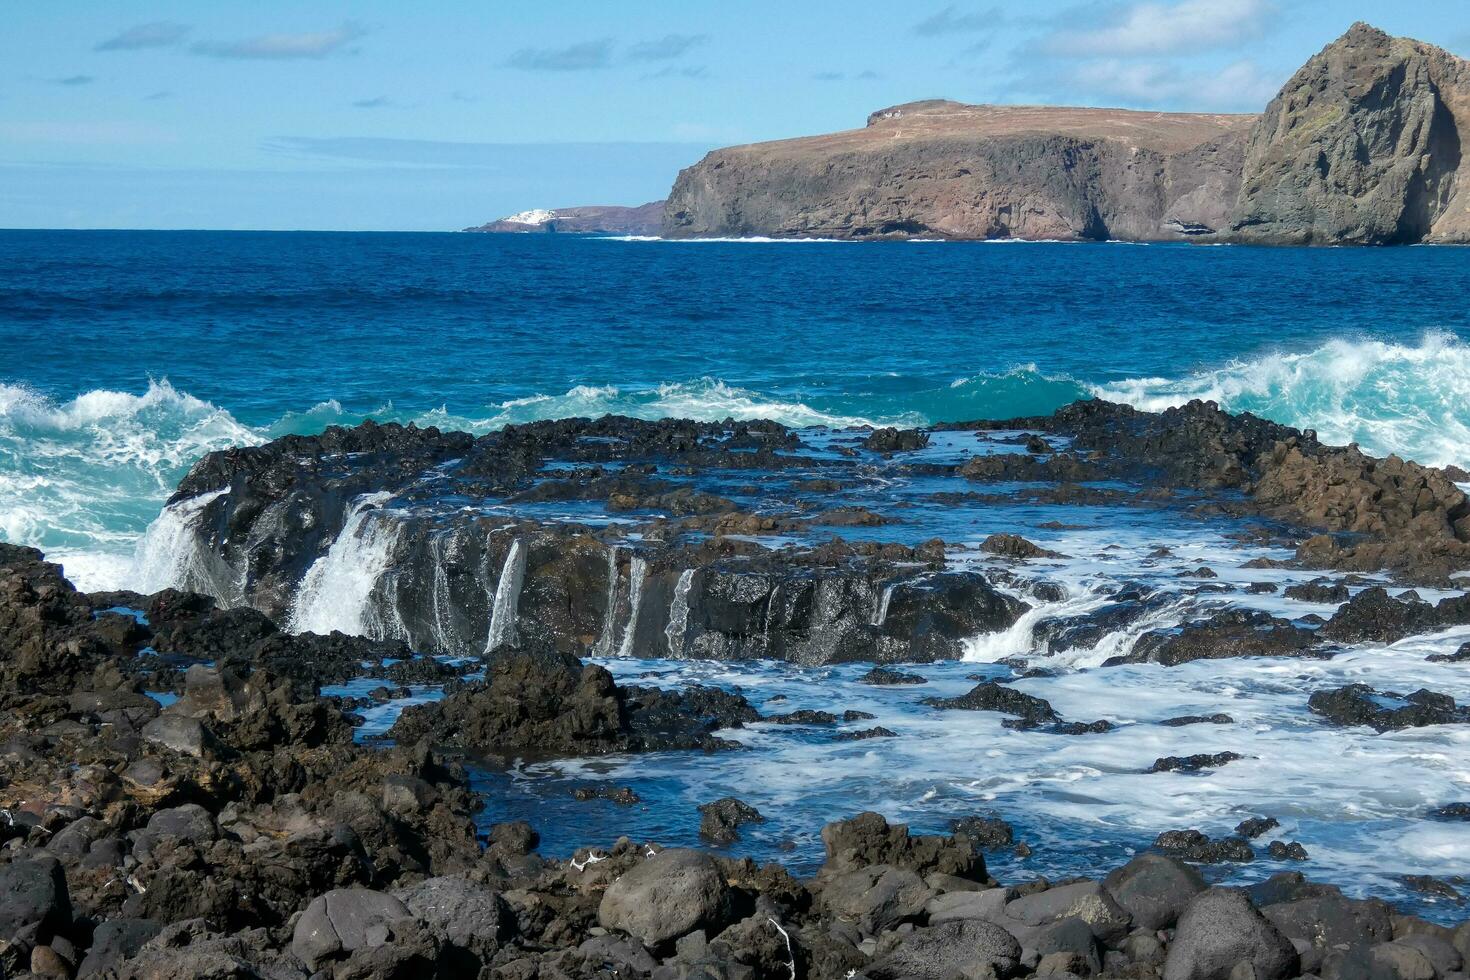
[(1362, 146), (942, 169), (645, 219)]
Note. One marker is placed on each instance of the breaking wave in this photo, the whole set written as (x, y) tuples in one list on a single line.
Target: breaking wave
[(83, 478), (1413, 400)]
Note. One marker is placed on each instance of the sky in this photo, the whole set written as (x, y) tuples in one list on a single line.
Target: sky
[(438, 115)]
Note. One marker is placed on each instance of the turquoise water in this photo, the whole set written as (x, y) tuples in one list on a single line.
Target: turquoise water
[(124, 356)]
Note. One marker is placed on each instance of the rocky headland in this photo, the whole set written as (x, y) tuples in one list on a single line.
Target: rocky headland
[(599, 219), (1361, 146)]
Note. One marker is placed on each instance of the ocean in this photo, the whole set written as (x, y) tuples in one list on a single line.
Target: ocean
[(124, 356)]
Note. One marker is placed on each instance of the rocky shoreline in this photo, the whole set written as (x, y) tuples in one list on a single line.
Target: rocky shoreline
[(180, 797), (237, 830)]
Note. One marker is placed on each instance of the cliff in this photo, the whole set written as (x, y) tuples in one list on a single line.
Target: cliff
[(645, 219), (946, 170), (1361, 146)]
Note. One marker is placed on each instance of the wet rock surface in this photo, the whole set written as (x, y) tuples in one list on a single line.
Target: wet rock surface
[(287, 850)]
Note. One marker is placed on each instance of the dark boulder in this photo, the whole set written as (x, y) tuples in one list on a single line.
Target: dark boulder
[(720, 821), (1359, 704)]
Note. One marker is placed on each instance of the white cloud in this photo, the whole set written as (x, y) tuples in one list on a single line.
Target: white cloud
[(1163, 28), (1238, 87), (281, 47)]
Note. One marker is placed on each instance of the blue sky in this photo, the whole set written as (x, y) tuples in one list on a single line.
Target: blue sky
[(436, 115)]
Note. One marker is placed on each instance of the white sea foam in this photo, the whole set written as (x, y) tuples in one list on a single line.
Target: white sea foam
[(338, 590), (1413, 400)]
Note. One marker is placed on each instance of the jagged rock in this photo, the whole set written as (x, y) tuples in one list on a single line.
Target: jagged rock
[(1253, 827), (666, 896), (721, 820), (1286, 851), (1234, 633), (1221, 929), (868, 840), (1359, 704), (991, 833), (1194, 763), (1015, 546), (990, 696), (886, 677), (1362, 146), (1181, 721), (1192, 845), (892, 440)]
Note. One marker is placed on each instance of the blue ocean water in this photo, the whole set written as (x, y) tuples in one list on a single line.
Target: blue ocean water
[(126, 355)]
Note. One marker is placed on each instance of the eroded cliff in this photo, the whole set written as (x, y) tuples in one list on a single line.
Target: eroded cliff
[(1362, 146)]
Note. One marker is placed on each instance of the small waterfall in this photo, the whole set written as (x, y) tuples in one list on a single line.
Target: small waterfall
[(880, 615), (442, 604), (507, 598), (636, 575), (678, 624), (336, 593), (170, 555), (605, 640)]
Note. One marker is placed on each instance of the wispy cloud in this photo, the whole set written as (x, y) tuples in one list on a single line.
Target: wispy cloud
[(671, 71), (158, 34), (666, 48), (866, 75), (1242, 86), (283, 47), (951, 21), (586, 56), (74, 80), (376, 102), (1160, 28)]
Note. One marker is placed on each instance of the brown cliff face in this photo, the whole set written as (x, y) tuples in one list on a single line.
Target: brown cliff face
[(1362, 146), (946, 170)]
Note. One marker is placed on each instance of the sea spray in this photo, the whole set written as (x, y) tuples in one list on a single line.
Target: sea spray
[(636, 574), (880, 613), (678, 625), (171, 556), (607, 638), (338, 589), (507, 599)]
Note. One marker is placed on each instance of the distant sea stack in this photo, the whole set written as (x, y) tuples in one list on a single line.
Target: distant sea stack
[(646, 219), (1362, 146)]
